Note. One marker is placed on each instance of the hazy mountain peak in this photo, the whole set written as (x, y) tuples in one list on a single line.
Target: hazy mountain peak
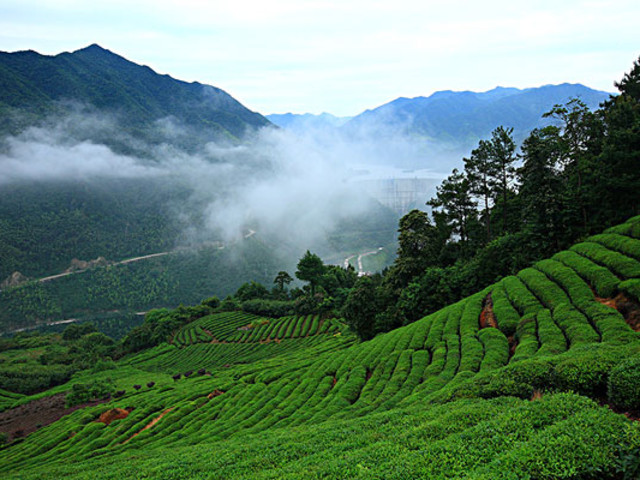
[(460, 118), (100, 79)]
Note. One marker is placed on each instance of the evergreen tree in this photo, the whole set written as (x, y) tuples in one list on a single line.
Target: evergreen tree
[(541, 189), (501, 151), (618, 168), (458, 209), (311, 269), (360, 308), (579, 135), (282, 279), (480, 172)]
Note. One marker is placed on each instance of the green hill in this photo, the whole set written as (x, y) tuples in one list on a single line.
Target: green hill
[(34, 85), (526, 379)]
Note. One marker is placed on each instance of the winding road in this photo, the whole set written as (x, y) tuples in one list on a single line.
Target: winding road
[(121, 262), (360, 256)]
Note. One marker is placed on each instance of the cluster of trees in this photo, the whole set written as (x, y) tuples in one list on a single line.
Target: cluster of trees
[(325, 291), (59, 356), (509, 207)]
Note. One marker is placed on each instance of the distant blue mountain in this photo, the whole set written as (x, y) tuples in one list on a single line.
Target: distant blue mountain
[(460, 119)]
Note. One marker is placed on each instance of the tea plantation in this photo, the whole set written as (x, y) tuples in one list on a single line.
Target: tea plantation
[(535, 377)]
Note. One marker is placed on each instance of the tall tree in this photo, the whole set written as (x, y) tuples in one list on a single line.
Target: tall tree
[(419, 246), (310, 269), (618, 168), (282, 279), (481, 174), (361, 307), (502, 156), (541, 189), (453, 197), (579, 135)]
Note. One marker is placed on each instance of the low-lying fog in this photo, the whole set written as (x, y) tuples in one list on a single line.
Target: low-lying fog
[(296, 185)]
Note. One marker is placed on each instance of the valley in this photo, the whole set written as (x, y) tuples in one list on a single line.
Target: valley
[(442, 287)]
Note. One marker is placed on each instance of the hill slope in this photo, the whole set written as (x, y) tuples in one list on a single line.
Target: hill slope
[(472, 391), (460, 119), (34, 85)]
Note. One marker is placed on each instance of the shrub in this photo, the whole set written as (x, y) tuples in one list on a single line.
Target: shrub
[(269, 308), (620, 243), (616, 262), (623, 388), (506, 316), (496, 349), (586, 370), (103, 365), (549, 293), (600, 278), (631, 288), (575, 325), (567, 279), (211, 302), (85, 392), (229, 304), (610, 323), (526, 335), (520, 295), (551, 337)]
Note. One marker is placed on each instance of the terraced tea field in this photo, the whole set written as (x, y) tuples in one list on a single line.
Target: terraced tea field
[(527, 379)]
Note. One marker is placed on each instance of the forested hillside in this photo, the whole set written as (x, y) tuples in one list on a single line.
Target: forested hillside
[(34, 86), (510, 206), (105, 161), (457, 120)]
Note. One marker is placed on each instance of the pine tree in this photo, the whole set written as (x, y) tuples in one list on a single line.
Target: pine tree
[(481, 173), (541, 189), (618, 167), (579, 134), (458, 208), (501, 150)]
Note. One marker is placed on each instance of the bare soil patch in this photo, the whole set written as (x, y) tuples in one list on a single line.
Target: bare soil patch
[(215, 393), (148, 425), (25, 419), (113, 414), (629, 309), (487, 317)]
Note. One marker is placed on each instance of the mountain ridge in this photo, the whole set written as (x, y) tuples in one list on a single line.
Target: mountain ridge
[(461, 118), (96, 76)]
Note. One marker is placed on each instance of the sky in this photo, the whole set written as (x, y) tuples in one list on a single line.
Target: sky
[(342, 56)]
